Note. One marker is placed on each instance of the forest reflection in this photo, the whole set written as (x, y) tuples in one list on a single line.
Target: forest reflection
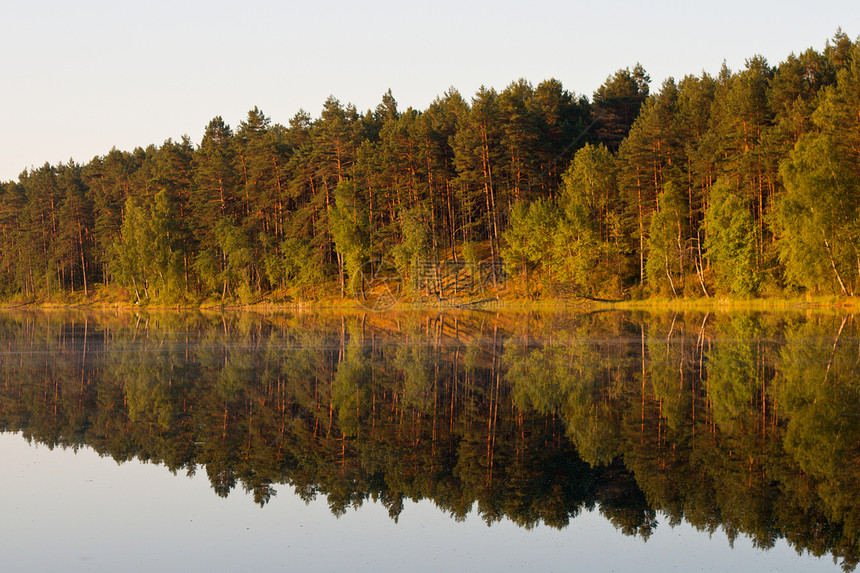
[(741, 422)]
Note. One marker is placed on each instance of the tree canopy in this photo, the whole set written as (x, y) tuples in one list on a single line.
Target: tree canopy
[(745, 183)]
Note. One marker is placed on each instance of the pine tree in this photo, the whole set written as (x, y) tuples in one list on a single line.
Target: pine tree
[(335, 142), (649, 157), (438, 126), (214, 196), (617, 103), (109, 180), (75, 222), (562, 121), (740, 119), (39, 221), (519, 139), (478, 155)]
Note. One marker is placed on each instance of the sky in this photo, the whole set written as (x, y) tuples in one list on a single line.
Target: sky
[(79, 78), (79, 512)]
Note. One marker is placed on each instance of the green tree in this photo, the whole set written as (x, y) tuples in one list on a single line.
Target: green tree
[(731, 241), (299, 265), (239, 267), (647, 158), (617, 103), (588, 242), (818, 218), (148, 254), (110, 181), (39, 220), (531, 235), (332, 154), (215, 181), (415, 246), (262, 155), (439, 124), (15, 274), (75, 223), (666, 242), (478, 155), (520, 137), (740, 120), (348, 226), (562, 119)]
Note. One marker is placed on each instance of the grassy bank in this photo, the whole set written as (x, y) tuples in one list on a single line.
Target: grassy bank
[(117, 298)]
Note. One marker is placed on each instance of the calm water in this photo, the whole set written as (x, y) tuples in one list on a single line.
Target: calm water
[(481, 441)]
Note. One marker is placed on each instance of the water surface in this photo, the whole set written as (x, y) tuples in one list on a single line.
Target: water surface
[(383, 441)]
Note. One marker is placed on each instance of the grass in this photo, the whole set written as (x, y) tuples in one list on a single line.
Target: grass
[(511, 296), (716, 304)]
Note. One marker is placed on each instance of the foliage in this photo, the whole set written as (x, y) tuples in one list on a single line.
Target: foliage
[(148, 254), (588, 243), (731, 242), (666, 242), (348, 226), (738, 183), (819, 218), (415, 245), (530, 236)]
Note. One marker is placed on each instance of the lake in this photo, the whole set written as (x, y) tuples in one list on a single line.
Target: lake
[(424, 441)]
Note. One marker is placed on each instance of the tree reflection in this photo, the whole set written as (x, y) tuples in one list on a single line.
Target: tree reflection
[(746, 423)]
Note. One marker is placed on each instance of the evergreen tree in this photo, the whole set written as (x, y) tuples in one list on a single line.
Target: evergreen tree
[(695, 99), (262, 155), (520, 137), (335, 143), (109, 180), (740, 119), (617, 103), (39, 221), (214, 196), (562, 122), (14, 266), (649, 157), (438, 127), (478, 156), (75, 223)]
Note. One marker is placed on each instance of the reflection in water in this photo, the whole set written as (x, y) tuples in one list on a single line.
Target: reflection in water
[(742, 422)]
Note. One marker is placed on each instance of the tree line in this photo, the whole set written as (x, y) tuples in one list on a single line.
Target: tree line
[(741, 184)]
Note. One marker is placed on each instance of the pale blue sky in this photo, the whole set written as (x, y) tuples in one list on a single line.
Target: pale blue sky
[(80, 512), (81, 77)]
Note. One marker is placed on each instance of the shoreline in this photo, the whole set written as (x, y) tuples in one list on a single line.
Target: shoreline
[(797, 304)]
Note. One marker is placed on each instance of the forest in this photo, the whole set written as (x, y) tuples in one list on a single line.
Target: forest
[(740, 185)]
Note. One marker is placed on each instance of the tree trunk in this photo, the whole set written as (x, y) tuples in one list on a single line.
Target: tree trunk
[(669, 275), (833, 263), (641, 231), (83, 260)]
